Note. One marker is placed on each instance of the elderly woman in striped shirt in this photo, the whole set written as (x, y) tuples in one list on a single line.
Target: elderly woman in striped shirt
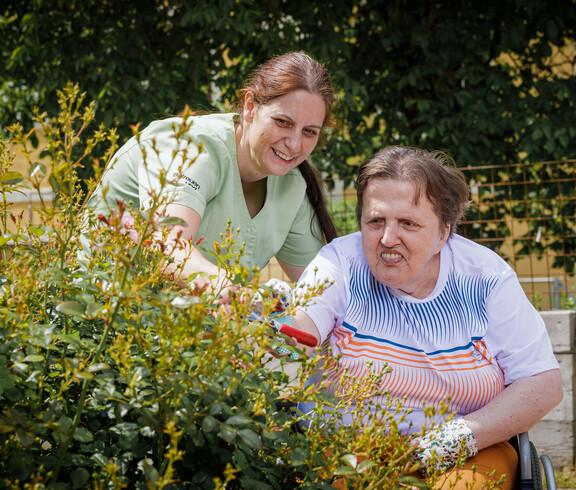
[(447, 315)]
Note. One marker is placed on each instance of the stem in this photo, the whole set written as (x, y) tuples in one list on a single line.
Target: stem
[(4, 225)]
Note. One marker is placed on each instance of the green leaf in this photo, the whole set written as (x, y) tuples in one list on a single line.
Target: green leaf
[(24, 438), (239, 420), (20, 465), (37, 168), (327, 397), (72, 339), (12, 178), (100, 459), (82, 434), (93, 310), (365, 465), (345, 470), (97, 367), (227, 433), (208, 424), (80, 477), (54, 184), (411, 481), (216, 409), (38, 232), (350, 460), (6, 238), (299, 456), (170, 221), (72, 308), (34, 358), (7, 379), (250, 438), (151, 473)]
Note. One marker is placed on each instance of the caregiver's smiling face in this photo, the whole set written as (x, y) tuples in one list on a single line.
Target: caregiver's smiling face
[(402, 237)]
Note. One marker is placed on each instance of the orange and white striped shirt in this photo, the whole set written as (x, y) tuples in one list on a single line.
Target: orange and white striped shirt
[(473, 335)]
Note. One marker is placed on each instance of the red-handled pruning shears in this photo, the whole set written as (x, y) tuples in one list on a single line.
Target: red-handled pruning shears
[(302, 337)]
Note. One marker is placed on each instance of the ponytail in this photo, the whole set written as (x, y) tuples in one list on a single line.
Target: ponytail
[(315, 193)]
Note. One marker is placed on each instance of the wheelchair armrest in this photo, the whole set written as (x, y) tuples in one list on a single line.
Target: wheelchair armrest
[(524, 456)]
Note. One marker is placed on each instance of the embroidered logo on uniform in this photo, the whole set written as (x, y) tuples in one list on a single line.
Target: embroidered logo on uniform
[(187, 180)]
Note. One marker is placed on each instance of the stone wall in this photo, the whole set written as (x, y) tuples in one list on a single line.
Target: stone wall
[(554, 434)]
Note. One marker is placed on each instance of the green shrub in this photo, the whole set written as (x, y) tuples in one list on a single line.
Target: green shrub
[(111, 376)]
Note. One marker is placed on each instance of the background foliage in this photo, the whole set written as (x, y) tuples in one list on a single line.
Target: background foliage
[(483, 80), (489, 82)]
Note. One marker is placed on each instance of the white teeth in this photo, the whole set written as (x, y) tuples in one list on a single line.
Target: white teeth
[(390, 256), (281, 155)]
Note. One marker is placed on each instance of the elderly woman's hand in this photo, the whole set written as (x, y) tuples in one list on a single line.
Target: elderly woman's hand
[(280, 321), (440, 448)]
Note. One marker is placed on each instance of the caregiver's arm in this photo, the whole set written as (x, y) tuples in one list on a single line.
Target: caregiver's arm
[(516, 409), (292, 271), (187, 259)]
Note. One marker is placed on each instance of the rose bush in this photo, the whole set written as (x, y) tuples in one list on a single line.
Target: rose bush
[(111, 376)]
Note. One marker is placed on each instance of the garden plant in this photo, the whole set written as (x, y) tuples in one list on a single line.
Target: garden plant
[(114, 376)]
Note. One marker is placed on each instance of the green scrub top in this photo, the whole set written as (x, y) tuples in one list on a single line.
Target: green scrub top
[(286, 226)]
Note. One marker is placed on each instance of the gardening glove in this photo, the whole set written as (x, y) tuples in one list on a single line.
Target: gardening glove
[(282, 291), (440, 448)]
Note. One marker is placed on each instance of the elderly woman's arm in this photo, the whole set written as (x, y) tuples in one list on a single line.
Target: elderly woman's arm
[(516, 409), (302, 321)]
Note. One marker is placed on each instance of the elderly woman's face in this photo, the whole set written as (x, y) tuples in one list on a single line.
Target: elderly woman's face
[(401, 240)]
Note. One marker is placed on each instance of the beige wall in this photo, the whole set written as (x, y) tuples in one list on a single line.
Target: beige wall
[(554, 435)]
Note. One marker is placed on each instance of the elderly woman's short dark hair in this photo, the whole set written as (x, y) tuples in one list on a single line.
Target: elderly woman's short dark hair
[(433, 173)]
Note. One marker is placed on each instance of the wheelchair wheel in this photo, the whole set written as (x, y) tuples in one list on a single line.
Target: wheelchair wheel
[(535, 465)]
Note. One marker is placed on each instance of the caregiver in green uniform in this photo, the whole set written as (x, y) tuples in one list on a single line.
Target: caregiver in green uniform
[(251, 170)]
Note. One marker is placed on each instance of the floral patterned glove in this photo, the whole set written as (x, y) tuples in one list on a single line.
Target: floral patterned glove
[(283, 292), (445, 442)]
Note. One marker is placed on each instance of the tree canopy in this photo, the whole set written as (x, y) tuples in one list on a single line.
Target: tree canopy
[(489, 82)]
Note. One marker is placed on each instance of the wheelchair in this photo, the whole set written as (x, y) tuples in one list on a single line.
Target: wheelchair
[(531, 466)]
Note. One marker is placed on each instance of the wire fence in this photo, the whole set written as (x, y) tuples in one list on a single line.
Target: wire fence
[(524, 212)]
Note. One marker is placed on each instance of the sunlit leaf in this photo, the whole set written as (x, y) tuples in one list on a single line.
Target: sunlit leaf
[(71, 308), (239, 420), (12, 178), (186, 301), (34, 358), (35, 169), (38, 232), (97, 367), (170, 221), (82, 434), (350, 460)]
